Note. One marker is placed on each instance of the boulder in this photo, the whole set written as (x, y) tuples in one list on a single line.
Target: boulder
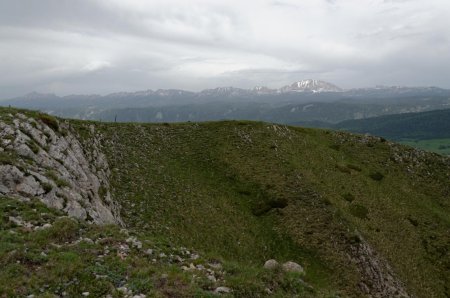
[(293, 267), (271, 264)]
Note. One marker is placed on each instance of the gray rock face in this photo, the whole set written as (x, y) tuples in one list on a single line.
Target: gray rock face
[(379, 278), (51, 164)]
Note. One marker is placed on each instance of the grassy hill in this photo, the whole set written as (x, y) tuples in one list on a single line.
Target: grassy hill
[(425, 125), (360, 214), (425, 130)]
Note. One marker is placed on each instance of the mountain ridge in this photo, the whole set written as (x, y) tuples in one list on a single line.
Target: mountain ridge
[(229, 103), (306, 85)]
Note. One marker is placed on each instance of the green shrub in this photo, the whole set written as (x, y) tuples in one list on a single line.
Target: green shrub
[(348, 197), (47, 187), (377, 176), (59, 182), (413, 221), (336, 147), (33, 146), (359, 211), (49, 121), (8, 158), (264, 207), (102, 191)]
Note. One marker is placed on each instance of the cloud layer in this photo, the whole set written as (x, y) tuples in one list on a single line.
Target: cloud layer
[(102, 46)]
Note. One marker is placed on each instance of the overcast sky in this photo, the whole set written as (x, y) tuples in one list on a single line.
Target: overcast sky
[(103, 46)]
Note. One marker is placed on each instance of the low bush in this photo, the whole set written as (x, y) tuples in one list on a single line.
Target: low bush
[(50, 121), (377, 176), (33, 146), (348, 197), (47, 187), (359, 211)]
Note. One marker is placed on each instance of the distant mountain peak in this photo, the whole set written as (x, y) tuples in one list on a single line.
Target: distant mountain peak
[(310, 85)]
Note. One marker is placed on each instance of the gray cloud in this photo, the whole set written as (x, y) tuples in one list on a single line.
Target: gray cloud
[(102, 46)]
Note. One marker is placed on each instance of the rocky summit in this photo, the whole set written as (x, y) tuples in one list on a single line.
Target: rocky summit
[(231, 208)]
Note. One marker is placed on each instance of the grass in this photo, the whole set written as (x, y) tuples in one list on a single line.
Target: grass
[(8, 157), (358, 211), (58, 181), (53, 261), (214, 186), (244, 192), (33, 146)]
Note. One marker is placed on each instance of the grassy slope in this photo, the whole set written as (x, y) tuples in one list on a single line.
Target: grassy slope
[(213, 186), (71, 257), (209, 185)]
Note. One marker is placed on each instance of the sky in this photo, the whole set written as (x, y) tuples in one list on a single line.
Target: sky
[(104, 46)]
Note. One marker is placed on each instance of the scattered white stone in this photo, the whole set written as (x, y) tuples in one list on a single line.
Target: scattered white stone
[(179, 259), (125, 291), (20, 222), (88, 240), (211, 278), (215, 265), (85, 294), (134, 242), (222, 290), (149, 251)]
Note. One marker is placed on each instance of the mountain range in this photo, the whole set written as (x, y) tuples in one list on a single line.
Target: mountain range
[(302, 101)]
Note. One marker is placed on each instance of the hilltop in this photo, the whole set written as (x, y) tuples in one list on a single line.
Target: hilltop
[(198, 208)]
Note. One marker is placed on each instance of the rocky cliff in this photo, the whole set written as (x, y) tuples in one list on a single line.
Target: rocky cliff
[(42, 157)]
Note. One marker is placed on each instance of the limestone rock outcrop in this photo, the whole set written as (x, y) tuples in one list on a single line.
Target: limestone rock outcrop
[(43, 158)]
